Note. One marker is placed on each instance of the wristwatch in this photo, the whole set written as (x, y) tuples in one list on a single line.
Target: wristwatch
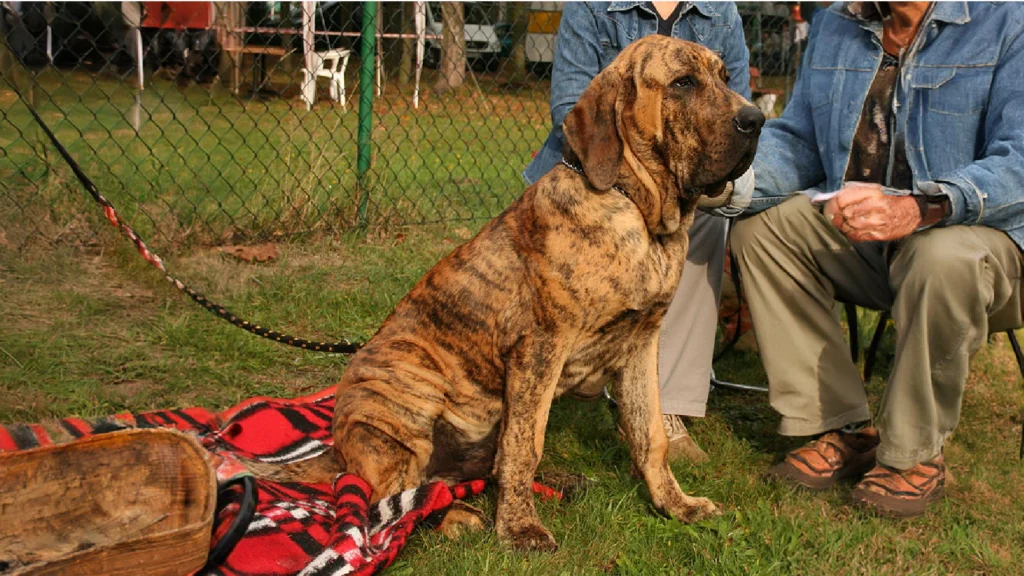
[(934, 208)]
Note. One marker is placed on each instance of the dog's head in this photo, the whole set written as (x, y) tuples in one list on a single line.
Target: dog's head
[(661, 122)]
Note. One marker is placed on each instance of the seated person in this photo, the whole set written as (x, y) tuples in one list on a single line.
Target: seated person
[(914, 113)]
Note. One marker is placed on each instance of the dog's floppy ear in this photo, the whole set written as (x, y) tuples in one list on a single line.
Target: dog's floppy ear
[(591, 133), (646, 107)]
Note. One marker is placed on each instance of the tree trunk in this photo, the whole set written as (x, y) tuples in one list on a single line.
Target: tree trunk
[(453, 47), (408, 61), (518, 17)]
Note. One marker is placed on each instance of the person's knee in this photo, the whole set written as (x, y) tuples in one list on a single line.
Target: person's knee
[(777, 228), (745, 231), (938, 261)]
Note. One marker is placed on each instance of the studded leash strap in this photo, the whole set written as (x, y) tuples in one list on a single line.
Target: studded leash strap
[(340, 347)]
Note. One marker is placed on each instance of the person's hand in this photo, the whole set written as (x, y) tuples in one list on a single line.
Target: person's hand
[(862, 212)]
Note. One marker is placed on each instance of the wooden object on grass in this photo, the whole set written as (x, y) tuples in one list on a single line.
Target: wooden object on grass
[(131, 502)]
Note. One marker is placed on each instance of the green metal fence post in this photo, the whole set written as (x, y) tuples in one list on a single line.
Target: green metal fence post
[(366, 55)]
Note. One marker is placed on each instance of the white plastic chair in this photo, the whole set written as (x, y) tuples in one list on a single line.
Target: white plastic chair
[(331, 65)]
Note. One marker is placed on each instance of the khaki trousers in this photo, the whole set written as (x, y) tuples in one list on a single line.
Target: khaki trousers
[(947, 289), (687, 339)]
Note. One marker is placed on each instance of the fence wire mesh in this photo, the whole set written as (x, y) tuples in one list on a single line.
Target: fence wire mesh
[(227, 122)]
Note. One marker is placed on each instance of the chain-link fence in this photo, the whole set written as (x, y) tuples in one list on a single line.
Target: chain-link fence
[(219, 122)]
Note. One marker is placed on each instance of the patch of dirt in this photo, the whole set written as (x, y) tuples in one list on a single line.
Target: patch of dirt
[(130, 388), (254, 253), (25, 400), (304, 381), (210, 273), (35, 293), (980, 491), (1001, 552), (216, 276), (79, 233), (100, 277)]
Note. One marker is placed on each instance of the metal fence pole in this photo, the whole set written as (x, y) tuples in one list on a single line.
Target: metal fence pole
[(366, 104)]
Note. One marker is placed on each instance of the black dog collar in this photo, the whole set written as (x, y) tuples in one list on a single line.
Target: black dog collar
[(579, 171)]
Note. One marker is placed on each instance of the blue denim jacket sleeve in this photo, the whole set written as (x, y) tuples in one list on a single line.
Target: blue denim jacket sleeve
[(787, 153), (989, 190), (575, 64), (736, 56)]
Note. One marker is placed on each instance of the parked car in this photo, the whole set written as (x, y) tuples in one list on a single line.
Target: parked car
[(483, 43), (541, 34)]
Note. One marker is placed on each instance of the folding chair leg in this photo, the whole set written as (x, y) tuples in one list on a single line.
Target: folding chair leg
[(851, 322), (1020, 364), (876, 339), (308, 91)]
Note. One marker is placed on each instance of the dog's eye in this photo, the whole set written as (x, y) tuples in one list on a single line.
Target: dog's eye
[(684, 82)]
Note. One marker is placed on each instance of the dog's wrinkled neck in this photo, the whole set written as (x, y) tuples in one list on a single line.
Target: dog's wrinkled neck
[(653, 214), (657, 195)]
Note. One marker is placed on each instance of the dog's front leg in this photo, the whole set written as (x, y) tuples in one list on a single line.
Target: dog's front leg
[(640, 414), (532, 373)]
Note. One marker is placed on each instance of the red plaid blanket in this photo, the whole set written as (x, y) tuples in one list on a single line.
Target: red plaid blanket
[(297, 528)]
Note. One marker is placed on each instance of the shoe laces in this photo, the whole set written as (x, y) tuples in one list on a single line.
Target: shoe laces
[(674, 425)]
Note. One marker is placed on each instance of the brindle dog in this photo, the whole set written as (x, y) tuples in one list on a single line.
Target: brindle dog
[(562, 293)]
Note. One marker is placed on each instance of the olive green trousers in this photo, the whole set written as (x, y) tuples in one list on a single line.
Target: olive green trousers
[(947, 288)]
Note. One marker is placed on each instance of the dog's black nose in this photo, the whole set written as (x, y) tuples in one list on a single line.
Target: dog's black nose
[(749, 120)]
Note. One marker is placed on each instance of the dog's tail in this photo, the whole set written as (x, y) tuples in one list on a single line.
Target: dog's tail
[(322, 469)]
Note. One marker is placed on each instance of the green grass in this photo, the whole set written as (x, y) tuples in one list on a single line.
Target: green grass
[(92, 330), (203, 166)]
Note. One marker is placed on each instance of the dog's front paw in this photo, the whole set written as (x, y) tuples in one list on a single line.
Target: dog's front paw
[(695, 510), (528, 536)]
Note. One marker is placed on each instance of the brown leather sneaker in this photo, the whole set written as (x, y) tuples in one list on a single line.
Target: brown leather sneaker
[(681, 446), (832, 457), (902, 493)]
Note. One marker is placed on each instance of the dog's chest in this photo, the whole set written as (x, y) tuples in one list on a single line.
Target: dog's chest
[(603, 352), (627, 294)]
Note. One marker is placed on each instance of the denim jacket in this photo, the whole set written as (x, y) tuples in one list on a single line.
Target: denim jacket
[(592, 34), (959, 104)]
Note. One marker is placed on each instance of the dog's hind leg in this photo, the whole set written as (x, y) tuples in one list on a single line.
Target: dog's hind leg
[(388, 466)]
